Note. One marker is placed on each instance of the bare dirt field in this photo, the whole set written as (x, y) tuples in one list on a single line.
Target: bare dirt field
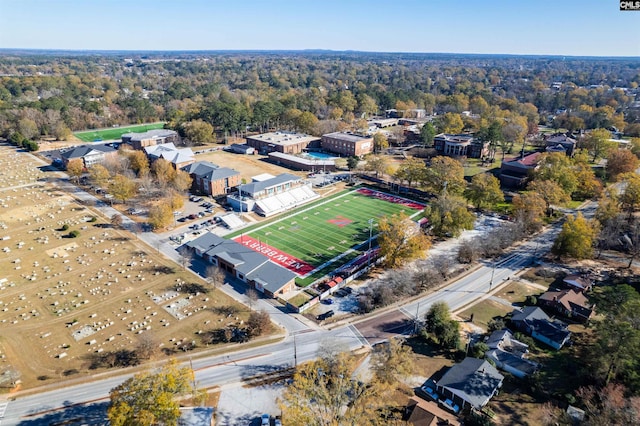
[(247, 165), (70, 306)]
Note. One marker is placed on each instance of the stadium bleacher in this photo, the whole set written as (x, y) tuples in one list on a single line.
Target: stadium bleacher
[(285, 200)]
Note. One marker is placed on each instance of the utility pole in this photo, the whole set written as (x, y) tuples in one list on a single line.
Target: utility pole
[(415, 326), (295, 352)]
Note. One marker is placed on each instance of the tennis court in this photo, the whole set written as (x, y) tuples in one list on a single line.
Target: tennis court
[(317, 240), (114, 133)]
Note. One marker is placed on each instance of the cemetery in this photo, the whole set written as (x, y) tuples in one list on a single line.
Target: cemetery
[(68, 299)]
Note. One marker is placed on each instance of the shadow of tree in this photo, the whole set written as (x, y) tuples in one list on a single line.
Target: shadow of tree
[(73, 415)]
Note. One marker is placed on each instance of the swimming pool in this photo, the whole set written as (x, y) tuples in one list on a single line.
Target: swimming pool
[(320, 155)]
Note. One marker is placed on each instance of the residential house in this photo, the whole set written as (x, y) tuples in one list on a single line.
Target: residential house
[(576, 281), (561, 143), (178, 157), (471, 383), (571, 303), (89, 154), (423, 413), (535, 322), (516, 173), (509, 354), (196, 416), (210, 179), (460, 146), (244, 263), (285, 142), (347, 144), (152, 137)]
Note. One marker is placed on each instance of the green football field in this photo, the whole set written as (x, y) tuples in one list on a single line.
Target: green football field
[(324, 231), (115, 132)]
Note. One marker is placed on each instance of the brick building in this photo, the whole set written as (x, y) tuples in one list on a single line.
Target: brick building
[(285, 142), (347, 144)]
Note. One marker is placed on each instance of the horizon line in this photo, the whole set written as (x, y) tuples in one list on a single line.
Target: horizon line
[(192, 51)]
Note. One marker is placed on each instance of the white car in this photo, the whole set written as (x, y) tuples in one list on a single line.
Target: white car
[(265, 419)]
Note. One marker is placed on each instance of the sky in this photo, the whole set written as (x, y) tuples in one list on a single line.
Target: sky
[(538, 27)]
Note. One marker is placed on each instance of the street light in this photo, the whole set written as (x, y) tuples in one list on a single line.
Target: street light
[(369, 251)]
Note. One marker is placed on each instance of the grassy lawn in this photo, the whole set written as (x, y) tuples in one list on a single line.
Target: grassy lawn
[(473, 166), (517, 292), (338, 226), (484, 312), (300, 299), (544, 280), (115, 132)]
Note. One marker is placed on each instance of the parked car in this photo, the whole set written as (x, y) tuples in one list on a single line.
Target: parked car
[(266, 419), (341, 293), (327, 301)]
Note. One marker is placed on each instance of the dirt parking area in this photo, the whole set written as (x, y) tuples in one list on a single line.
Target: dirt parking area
[(70, 305)]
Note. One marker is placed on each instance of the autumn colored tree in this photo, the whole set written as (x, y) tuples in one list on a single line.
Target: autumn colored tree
[(392, 361), (577, 238), (98, 174), (122, 188), (400, 240), (630, 197), (160, 216), (138, 162), (199, 132), (411, 170), (380, 142), (75, 168), (559, 168), (598, 142), (528, 210), (307, 122), (377, 164), (551, 193), (620, 161), (588, 185), (323, 393), (181, 181), (450, 122), (448, 216), (163, 171), (445, 174), (151, 398), (484, 191)]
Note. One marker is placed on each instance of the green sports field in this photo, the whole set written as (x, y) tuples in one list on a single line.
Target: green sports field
[(115, 132), (326, 230)]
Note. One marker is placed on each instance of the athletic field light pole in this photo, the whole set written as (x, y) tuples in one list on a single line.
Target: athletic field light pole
[(369, 251)]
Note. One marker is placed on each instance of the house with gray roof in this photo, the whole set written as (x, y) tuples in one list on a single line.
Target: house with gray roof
[(89, 154), (178, 157), (244, 263), (535, 322), (509, 354), (471, 383), (210, 179)]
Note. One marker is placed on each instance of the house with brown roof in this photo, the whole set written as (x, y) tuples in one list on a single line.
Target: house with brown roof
[(516, 173), (571, 303), (423, 413), (578, 282)]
